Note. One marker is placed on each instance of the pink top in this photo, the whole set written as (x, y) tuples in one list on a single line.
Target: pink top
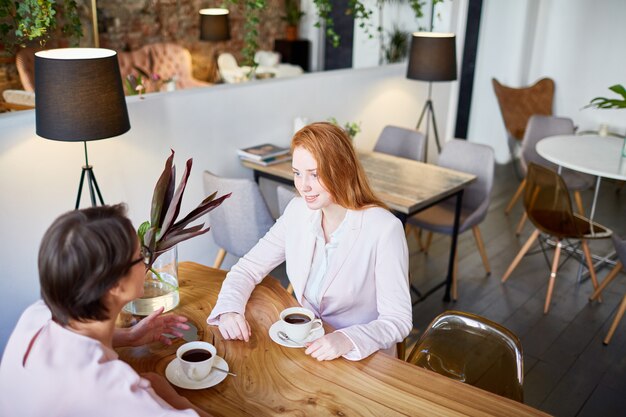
[(68, 374)]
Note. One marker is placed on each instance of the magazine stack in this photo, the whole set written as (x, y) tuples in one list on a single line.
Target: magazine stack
[(265, 154)]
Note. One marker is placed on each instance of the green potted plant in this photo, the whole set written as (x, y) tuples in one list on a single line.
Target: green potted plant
[(29, 20), (292, 16), (610, 103)]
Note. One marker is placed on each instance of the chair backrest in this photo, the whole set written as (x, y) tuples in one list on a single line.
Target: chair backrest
[(548, 204), (402, 142), (472, 158), (474, 350), (285, 195), (25, 63), (170, 60), (226, 61), (239, 223), (540, 127), (518, 104)]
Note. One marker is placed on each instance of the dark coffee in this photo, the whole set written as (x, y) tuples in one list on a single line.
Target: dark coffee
[(196, 355), (297, 318)]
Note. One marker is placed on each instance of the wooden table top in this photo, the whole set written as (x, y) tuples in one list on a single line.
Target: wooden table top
[(272, 379), (404, 185)]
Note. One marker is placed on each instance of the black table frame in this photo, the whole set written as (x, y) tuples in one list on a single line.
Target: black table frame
[(403, 218)]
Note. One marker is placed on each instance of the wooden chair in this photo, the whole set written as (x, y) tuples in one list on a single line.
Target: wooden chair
[(620, 249), (517, 105), (474, 350), (475, 159), (238, 225), (549, 208), (540, 127)]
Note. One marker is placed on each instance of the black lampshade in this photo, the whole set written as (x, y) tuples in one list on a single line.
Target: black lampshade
[(79, 95), (432, 57), (214, 25)]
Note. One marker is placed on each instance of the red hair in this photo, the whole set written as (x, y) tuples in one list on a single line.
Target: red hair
[(338, 166)]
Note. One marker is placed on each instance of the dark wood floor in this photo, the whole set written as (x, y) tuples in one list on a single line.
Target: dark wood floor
[(568, 371)]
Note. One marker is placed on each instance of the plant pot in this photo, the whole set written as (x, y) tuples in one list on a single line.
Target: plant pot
[(160, 288), (291, 33)]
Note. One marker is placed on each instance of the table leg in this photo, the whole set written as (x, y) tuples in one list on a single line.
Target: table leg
[(455, 236)]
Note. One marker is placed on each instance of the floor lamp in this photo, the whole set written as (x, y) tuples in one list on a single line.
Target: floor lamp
[(214, 27), (79, 98), (432, 58)]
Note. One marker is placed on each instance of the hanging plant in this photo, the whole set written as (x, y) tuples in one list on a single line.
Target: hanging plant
[(28, 20)]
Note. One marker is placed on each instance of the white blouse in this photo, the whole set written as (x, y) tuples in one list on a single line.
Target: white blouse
[(322, 257)]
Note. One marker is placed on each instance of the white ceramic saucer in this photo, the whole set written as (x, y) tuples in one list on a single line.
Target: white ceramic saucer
[(176, 376), (278, 326)]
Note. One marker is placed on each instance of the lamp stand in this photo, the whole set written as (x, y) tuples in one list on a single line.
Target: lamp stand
[(428, 106), (91, 180)]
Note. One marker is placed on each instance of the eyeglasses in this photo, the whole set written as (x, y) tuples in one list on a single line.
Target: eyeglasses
[(136, 261)]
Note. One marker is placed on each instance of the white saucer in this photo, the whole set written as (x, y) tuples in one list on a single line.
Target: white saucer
[(175, 375), (278, 326)]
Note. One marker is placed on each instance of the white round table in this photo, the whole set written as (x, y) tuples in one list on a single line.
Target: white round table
[(591, 154)]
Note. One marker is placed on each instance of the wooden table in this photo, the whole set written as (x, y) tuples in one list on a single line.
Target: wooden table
[(406, 186), (272, 379)]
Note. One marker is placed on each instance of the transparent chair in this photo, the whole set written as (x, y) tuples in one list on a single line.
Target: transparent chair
[(620, 250), (549, 208), (473, 350), (238, 225), (540, 127)]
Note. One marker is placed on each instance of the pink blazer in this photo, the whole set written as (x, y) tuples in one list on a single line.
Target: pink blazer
[(366, 292)]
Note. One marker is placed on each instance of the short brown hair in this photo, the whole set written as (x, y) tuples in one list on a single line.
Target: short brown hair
[(82, 255), (338, 166)]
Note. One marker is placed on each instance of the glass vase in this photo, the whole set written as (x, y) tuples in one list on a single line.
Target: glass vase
[(160, 286)]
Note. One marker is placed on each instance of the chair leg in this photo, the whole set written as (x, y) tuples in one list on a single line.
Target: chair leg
[(579, 202), (616, 320), (553, 270), (429, 239), (520, 225), (520, 254), (610, 277), (417, 232), (515, 197), (481, 248), (219, 258), (592, 270)]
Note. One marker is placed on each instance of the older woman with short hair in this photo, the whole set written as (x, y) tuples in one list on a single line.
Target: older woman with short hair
[(59, 360)]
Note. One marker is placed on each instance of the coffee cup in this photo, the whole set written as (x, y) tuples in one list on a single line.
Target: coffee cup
[(196, 359), (299, 322)]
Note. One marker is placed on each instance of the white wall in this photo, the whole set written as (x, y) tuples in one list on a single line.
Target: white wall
[(578, 43), (39, 178)]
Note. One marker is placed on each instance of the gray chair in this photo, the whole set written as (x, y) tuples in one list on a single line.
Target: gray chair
[(475, 159), (402, 142), (540, 127), (620, 249), (285, 195), (237, 225)]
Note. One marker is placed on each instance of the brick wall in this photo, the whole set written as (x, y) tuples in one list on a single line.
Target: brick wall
[(129, 24)]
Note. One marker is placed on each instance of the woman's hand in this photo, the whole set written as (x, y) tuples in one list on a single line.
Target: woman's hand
[(234, 326), (151, 329), (329, 347)]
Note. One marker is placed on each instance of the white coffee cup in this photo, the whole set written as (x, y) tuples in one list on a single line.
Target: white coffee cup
[(299, 322), (196, 359)]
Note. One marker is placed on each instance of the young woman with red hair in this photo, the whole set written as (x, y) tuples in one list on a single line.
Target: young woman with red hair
[(346, 254)]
